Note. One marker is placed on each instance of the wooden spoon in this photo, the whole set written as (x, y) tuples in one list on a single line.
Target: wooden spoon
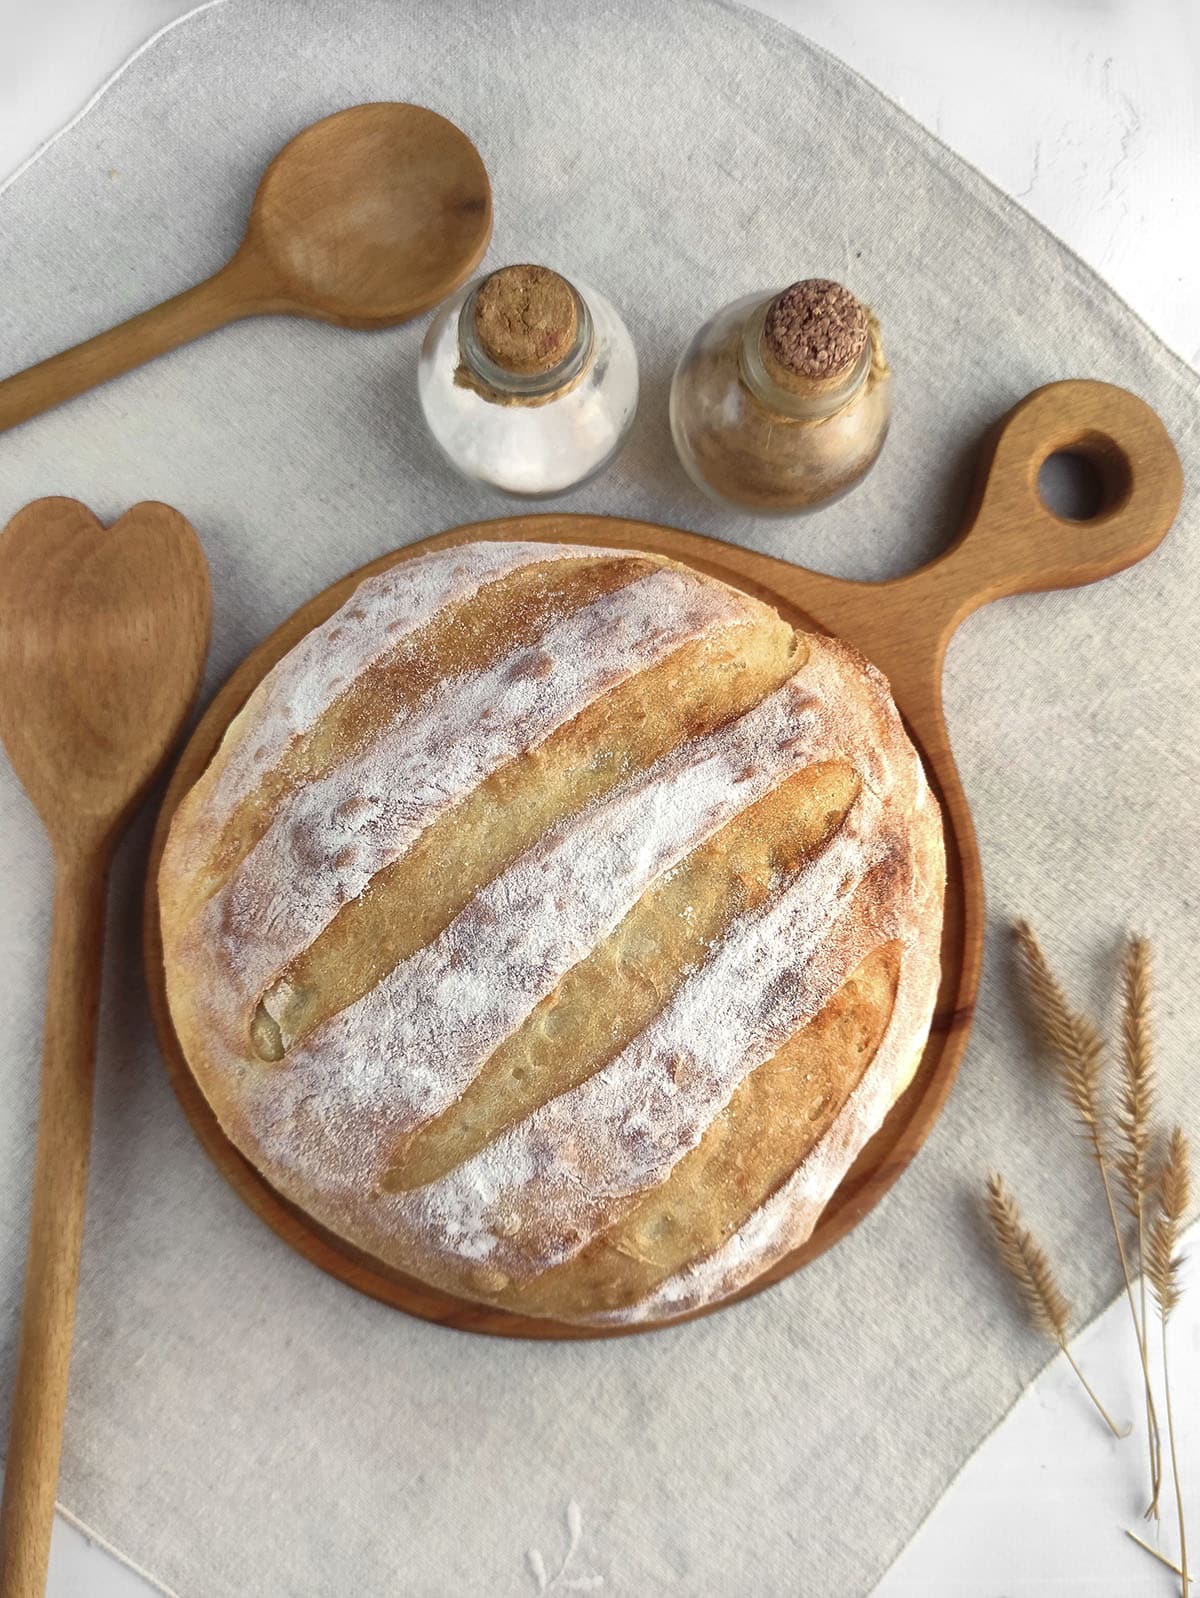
[(365, 219), (103, 636)]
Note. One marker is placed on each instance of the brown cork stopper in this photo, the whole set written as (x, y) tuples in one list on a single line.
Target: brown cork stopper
[(526, 319), (813, 336)]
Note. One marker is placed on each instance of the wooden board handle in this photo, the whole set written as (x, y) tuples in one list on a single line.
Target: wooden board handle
[(219, 299), (1010, 542), (56, 1227)]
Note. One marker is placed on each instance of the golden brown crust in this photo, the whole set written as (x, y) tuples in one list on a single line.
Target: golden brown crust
[(569, 972)]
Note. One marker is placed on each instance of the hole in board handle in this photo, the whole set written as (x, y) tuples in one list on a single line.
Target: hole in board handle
[(1071, 486), (1088, 477)]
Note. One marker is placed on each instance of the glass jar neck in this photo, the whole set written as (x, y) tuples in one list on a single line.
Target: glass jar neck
[(516, 386), (821, 400)]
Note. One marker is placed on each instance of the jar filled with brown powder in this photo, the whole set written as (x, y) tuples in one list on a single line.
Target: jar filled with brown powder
[(782, 404)]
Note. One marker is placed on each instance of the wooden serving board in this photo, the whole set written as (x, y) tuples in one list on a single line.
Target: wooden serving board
[(1009, 543)]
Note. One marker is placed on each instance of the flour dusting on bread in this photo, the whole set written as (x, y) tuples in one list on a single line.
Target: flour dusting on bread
[(431, 1024), (337, 832), (535, 1190), (382, 611)]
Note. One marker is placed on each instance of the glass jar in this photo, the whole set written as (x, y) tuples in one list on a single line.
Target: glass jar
[(781, 404), (528, 382)]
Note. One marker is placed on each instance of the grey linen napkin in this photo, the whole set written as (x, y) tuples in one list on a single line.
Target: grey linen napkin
[(239, 1423)]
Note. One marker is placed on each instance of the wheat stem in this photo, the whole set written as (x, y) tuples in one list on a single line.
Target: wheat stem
[(1154, 1553), (1183, 1571), (1117, 1431), (1139, 1332), (1153, 1436)]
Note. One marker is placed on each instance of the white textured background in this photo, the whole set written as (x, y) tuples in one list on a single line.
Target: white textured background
[(1088, 112)]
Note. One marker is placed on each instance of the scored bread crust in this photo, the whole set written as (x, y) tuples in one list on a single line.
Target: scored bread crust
[(557, 925)]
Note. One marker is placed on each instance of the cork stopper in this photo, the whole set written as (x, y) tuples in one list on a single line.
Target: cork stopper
[(526, 319), (813, 336)]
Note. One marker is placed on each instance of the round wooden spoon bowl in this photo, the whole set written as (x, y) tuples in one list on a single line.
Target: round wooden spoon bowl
[(365, 219), (372, 215)]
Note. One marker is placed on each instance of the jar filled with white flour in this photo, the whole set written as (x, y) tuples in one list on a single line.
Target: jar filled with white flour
[(528, 382)]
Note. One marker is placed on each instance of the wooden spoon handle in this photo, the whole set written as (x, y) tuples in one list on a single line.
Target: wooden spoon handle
[(219, 299), (56, 1227)]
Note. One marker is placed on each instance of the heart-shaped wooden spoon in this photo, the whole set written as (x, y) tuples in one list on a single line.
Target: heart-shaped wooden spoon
[(103, 635), (367, 218)]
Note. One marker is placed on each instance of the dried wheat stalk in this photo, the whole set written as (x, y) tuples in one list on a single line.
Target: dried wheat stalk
[(1133, 1136), (1079, 1051), (1075, 1041), (1163, 1262), (1137, 1081), (1174, 1188), (1029, 1268)]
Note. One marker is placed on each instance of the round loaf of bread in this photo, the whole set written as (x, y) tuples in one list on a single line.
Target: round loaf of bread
[(556, 924)]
